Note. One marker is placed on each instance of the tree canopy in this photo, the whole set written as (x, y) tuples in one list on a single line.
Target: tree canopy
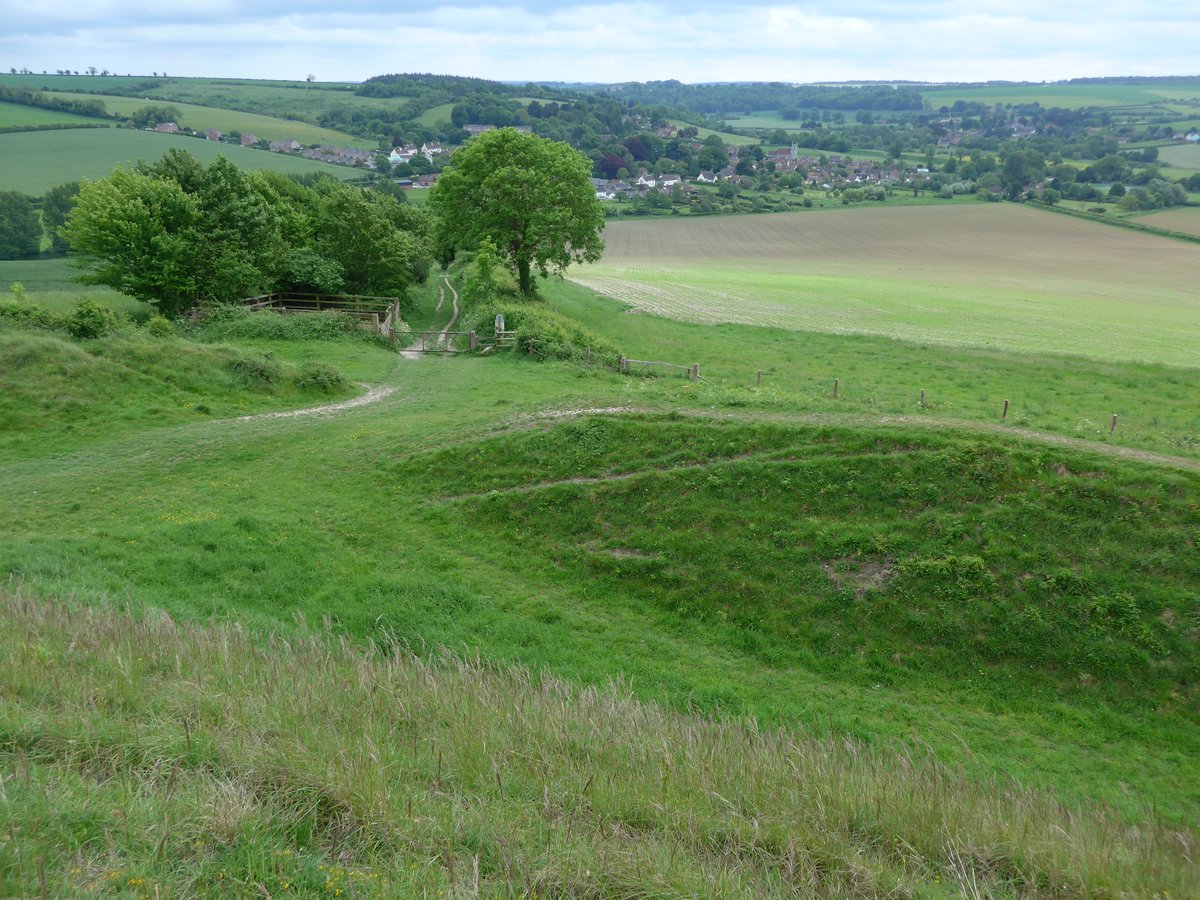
[(178, 233), (20, 228), (531, 197)]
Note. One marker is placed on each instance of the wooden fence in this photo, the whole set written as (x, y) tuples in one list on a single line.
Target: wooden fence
[(627, 365)]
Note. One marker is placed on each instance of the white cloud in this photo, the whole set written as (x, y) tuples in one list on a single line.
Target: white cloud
[(542, 40)]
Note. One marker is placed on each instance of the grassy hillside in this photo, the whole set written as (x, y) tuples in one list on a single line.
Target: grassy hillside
[(37, 161), (167, 760), (200, 118), (55, 392), (968, 644)]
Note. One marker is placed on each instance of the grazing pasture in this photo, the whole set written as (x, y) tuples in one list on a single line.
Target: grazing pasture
[(37, 161), (1180, 156), (997, 276)]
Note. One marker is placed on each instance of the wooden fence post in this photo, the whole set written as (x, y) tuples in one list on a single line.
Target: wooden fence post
[(1004, 415), (1113, 426), (835, 388), (922, 398), (474, 339), (758, 379), (696, 372), (623, 366)]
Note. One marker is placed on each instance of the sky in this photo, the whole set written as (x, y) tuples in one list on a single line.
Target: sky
[(538, 40)]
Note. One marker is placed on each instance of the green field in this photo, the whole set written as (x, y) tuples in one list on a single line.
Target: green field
[(18, 114), (1003, 277), (37, 161), (201, 118), (1181, 156), (1068, 96)]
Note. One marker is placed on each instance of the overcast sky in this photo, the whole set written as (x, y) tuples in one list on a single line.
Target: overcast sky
[(537, 40)]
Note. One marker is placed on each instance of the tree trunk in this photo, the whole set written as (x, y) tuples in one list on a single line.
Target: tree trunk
[(524, 278)]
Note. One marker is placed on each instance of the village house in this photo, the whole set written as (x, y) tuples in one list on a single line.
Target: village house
[(168, 128), (286, 146), (212, 135), (707, 177), (249, 140)]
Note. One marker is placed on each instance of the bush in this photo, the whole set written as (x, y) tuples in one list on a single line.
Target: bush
[(257, 370), (160, 326), (30, 314), (90, 320), (319, 377), (547, 334), (232, 322)]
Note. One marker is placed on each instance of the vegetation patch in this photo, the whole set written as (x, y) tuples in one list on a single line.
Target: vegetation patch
[(454, 773), (547, 334), (54, 390)]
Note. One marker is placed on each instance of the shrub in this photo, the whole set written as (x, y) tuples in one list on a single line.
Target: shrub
[(90, 320), (160, 326), (319, 377), (30, 314), (257, 370), (547, 334), (232, 322)]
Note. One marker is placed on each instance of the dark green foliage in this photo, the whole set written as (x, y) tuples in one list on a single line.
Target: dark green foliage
[(30, 314), (238, 323), (546, 334), (56, 205), (178, 233), (532, 198), (257, 370), (90, 320), (20, 229), (319, 377)]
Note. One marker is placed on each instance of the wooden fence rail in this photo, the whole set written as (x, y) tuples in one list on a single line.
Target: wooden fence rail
[(692, 372)]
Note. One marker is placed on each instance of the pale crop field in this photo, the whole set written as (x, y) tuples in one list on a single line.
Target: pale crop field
[(987, 275), (1181, 156), (1181, 218)]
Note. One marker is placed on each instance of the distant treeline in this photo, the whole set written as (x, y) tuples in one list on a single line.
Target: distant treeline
[(421, 85), (58, 126), (717, 99), (29, 97)]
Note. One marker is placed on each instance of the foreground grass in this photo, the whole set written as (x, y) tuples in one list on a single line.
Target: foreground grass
[(145, 758)]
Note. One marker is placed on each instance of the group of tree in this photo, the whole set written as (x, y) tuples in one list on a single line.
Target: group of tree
[(22, 229), (177, 233)]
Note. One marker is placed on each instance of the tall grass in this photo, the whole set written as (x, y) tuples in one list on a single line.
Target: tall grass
[(144, 757)]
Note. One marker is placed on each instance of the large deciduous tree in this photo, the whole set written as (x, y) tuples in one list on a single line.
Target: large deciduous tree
[(531, 197)]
